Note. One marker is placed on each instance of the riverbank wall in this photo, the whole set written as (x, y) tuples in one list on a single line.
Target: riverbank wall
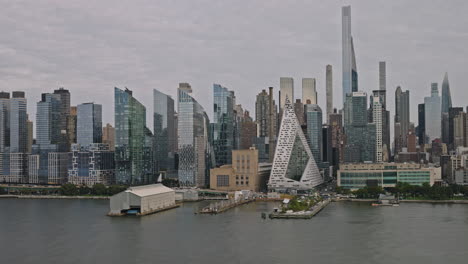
[(54, 197), (404, 201)]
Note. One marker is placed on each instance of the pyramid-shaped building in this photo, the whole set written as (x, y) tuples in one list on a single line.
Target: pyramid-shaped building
[(294, 167)]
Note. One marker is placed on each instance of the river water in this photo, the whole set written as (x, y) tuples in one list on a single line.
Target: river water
[(78, 231)]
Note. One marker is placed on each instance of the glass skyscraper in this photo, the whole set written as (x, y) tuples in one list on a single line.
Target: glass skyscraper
[(89, 124), (195, 157), (313, 114), (360, 135), (130, 126), (433, 113), (350, 75), (164, 131), (18, 123), (224, 124)]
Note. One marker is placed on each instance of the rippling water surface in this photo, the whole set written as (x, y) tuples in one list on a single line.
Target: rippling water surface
[(78, 231)]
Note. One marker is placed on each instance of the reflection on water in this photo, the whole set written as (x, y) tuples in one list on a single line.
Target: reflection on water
[(77, 231)]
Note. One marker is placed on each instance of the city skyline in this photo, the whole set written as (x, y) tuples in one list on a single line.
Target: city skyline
[(47, 65)]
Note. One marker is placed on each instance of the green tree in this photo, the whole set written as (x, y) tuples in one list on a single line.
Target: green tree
[(69, 189), (114, 189), (99, 189)]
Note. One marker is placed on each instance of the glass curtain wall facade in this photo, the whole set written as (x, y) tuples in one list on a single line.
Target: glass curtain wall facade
[(195, 151), (224, 124), (350, 75), (130, 125), (313, 115), (360, 135), (164, 131), (89, 124), (432, 107), (18, 123)]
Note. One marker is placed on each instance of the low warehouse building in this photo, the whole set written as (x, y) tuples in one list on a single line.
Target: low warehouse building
[(142, 200)]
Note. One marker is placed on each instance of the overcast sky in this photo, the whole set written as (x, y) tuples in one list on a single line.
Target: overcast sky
[(89, 47)]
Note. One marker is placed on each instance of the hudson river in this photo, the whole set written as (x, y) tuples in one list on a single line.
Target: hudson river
[(78, 231)]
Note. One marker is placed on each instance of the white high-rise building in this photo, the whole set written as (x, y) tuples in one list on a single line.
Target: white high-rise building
[(286, 90), (294, 166), (377, 112), (309, 91)]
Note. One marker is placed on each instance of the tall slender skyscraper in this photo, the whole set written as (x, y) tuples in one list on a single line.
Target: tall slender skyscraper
[(18, 123), (286, 90), (309, 91), (329, 89), (382, 75), (432, 107), (421, 133), (164, 134), (89, 124), (350, 75), (224, 122), (446, 104), (402, 118), (377, 115)]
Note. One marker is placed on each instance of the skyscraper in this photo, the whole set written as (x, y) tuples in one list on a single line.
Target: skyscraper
[(224, 123), (329, 89), (48, 119), (313, 114), (89, 124), (108, 136), (421, 133), (402, 118), (64, 110), (195, 158), (432, 107), (294, 166), (309, 91), (164, 130), (286, 90), (130, 134), (382, 75), (446, 104), (4, 121), (266, 118), (299, 110), (451, 115), (350, 75), (360, 135), (18, 123), (377, 116), (446, 95), (71, 125)]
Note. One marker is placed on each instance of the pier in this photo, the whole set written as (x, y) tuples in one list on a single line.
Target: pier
[(222, 206), (303, 214)]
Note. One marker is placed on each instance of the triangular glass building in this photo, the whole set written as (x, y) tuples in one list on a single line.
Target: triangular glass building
[(294, 167)]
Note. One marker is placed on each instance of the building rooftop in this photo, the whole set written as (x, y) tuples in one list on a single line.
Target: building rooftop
[(147, 190)]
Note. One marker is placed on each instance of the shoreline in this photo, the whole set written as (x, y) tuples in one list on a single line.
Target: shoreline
[(9, 196), (406, 201)]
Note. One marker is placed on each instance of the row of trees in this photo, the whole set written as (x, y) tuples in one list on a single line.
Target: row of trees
[(407, 191), (97, 189)]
